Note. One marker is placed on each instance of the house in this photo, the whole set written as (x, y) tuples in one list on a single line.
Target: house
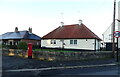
[(13, 38), (108, 36), (76, 36)]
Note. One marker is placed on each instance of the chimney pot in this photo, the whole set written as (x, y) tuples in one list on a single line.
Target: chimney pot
[(30, 30), (62, 23), (16, 29), (80, 22)]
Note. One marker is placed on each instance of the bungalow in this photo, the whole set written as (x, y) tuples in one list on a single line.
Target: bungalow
[(13, 38), (76, 36)]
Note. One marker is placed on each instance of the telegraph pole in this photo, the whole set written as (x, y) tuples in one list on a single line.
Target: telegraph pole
[(113, 28), (117, 50)]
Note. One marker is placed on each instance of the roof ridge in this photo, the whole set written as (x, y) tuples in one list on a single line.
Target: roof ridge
[(71, 25)]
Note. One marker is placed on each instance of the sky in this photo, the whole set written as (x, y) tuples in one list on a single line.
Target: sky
[(45, 15)]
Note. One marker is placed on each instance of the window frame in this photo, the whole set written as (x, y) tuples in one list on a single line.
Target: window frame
[(53, 41), (73, 42)]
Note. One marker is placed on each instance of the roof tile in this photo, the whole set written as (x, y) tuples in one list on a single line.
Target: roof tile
[(75, 31), (19, 35)]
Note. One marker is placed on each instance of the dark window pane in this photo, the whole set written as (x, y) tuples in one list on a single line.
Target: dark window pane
[(10, 43), (51, 41), (71, 41), (75, 41), (54, 41)]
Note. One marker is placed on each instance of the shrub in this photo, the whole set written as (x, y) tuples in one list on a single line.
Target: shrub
[(0, 45), (22, 45), (12, 46), (36, 46)]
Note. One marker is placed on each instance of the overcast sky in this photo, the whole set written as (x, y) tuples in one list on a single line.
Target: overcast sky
[(45, 15)]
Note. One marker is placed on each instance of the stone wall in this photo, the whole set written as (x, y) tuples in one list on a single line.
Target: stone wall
[(61, 56), (66, 56)]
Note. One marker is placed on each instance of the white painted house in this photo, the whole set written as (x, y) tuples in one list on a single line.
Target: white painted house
[(108, 36), (76, 36)]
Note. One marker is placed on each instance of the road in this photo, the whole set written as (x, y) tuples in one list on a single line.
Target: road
[(19, 67)]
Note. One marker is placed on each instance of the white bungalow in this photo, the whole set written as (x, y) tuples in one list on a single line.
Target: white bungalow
[(76, 36)]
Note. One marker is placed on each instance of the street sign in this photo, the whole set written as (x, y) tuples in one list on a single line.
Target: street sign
[(117, 34)]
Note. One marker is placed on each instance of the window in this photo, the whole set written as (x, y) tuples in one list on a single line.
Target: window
[(73, 42), (110, 35), (37, 43), (14, 43), (10, 42), (53, 41)]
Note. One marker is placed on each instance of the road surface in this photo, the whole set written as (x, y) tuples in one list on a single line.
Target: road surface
[(19, 67)]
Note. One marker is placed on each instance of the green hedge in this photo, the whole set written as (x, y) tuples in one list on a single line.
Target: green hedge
[(9, 46), (22, 45)]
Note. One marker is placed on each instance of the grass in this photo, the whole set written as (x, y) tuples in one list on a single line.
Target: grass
[(51, 50)]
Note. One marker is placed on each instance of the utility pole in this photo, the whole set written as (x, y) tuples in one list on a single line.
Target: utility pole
[(117, 50), (113, 29)]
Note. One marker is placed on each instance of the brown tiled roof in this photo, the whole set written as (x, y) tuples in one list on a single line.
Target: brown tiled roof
[(75, 31)]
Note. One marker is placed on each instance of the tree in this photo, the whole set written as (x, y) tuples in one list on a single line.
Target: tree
[(22, 45)]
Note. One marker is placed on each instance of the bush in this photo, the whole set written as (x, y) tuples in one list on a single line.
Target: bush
[(9, 46), (22, 45), (0, 45), (12, 46), (3, 46), (36, 46)]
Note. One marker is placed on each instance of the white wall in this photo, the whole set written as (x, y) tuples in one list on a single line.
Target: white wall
[(47, 43), (88, 44), (98, 44), (81, 44), (107, 35), (119, 22)]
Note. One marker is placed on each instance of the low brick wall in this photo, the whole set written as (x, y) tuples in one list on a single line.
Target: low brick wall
[(61, 56)]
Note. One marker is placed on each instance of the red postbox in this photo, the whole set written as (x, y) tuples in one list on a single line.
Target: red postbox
[(30, 50)]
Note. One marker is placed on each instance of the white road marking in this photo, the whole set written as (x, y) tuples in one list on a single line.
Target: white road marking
[(52, 68)]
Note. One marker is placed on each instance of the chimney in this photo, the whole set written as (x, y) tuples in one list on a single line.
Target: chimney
[(16, 29), (62, 23), (80, 22), (30, 30)]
